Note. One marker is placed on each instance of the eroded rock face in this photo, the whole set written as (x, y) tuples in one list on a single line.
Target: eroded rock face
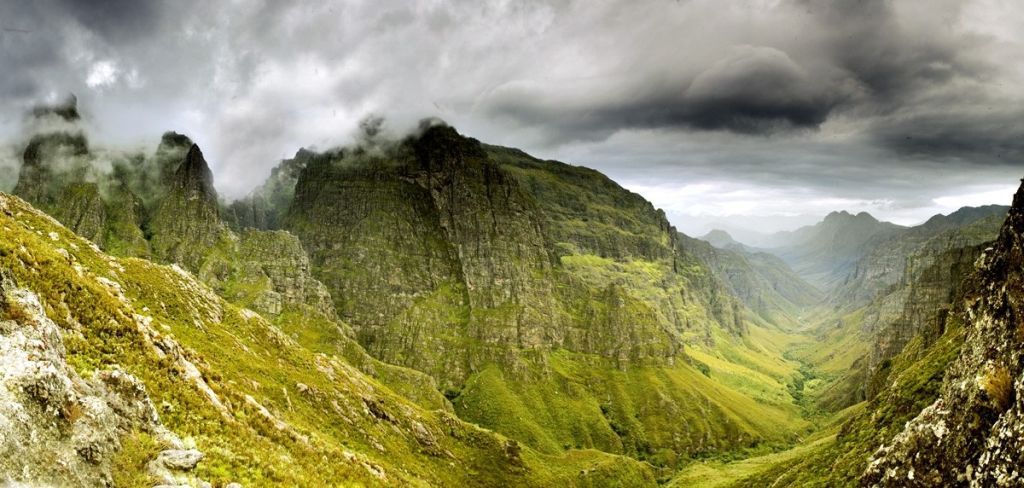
[(933, 278), (57, 427), (277, 257), (186, 224), (426, 250), (974, 433)]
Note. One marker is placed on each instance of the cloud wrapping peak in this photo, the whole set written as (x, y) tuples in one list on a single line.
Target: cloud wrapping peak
[(823, 96)]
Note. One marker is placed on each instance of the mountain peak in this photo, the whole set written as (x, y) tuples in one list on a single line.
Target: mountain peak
[(172, 138), (194, 175), (843, 215), (67, 109), (718, 238), (1018, 198)]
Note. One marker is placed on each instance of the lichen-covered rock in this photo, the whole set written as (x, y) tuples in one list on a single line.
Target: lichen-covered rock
[(973, 434), (57, 427)]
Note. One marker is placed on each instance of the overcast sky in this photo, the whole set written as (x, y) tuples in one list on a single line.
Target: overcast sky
[(764, 114)]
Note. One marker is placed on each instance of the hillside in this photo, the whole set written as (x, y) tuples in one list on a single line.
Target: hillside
[(141, 361), (542, 300)]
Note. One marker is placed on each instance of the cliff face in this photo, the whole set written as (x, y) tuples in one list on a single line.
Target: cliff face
[(529, 289), (610, 235), (973, 434), (186, 222), (764, 283), (481, 251), (884, 265), (588, 213), (433, 244), (933, 278), (935, 261)]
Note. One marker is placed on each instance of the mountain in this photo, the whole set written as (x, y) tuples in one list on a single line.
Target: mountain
[(826, 252), (435, 310), (186, 222), (915, 307), (882, 266), (720, 239), (132, 373), (529, 289), (901, 286), (763, 282), (542, 301)]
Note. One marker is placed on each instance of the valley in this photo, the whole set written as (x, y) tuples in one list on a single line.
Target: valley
[(436, 311)]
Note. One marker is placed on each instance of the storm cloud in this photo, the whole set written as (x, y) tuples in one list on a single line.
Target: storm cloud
[(706, 107)]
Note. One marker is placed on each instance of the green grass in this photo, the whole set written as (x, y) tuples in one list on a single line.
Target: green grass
[(341, 426), (662, 414)]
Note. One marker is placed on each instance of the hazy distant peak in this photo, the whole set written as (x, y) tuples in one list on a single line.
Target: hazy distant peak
[(66, 109), (843, 215), (718, 238)]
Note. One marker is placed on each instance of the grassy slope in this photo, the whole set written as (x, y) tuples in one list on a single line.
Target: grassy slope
[(334, 425)]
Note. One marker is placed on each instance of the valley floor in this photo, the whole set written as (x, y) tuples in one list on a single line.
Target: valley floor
[(813, 365)]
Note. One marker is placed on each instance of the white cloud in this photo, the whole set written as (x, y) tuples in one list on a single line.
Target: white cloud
[(102, 74)]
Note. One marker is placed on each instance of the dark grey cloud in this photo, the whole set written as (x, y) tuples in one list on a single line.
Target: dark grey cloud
[(753, 89), (986, 136), (117, 21), (880, 105), (803, 63)]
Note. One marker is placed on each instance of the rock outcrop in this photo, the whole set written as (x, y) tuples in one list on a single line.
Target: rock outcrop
[(186, 224), (56, 426), (973, 434)]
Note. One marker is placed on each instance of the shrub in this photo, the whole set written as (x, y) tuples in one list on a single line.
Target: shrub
[(998, 385)]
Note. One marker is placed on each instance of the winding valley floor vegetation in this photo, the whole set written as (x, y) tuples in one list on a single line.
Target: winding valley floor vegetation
[(436, 311)]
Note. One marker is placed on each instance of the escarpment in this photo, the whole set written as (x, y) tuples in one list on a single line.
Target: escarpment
[(973, 435)]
